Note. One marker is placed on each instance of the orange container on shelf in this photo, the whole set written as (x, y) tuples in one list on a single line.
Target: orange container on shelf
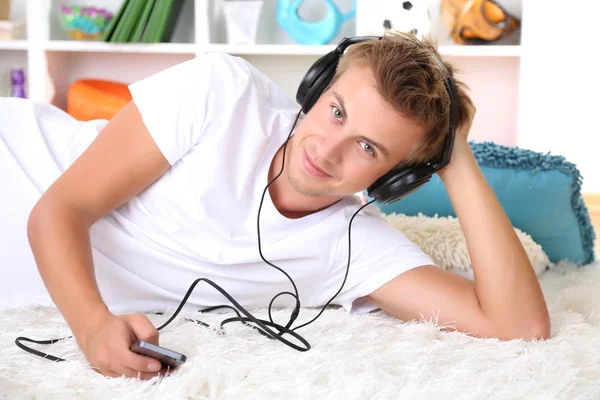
[(89, 99)]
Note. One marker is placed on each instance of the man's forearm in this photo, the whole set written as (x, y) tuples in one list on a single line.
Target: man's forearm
[(61, 246), (505, 281)]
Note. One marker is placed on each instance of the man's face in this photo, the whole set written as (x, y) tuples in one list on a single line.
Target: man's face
[(349, 139)]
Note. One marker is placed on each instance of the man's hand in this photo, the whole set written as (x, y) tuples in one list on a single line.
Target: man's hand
[(461, 142), (462, 132), (505, 300), (506, 285), (106, 344)]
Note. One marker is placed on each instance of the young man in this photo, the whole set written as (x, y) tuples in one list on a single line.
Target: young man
[(133, 210)]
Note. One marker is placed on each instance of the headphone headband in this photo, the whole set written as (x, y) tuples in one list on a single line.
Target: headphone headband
[(349, 41), (398, 182)]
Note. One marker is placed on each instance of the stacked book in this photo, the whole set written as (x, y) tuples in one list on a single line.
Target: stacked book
[(143, 21)]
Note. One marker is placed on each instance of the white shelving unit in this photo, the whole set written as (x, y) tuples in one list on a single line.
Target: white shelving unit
[(256, 49), (14, 45), (102, 47), (53, 62)]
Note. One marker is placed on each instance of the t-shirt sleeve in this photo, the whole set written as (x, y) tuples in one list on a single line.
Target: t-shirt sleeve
[(176, 104), (380, 252)]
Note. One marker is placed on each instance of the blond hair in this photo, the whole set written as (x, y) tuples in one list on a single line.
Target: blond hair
[(409, 79)]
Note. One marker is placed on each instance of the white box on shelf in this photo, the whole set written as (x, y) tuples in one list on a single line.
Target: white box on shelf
[(12, 30), (241, 18)]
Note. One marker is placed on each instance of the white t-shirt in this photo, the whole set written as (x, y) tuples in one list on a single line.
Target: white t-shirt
[(218, 121)]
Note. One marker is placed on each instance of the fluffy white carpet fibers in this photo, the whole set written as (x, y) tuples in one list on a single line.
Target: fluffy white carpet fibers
[(352, 357)]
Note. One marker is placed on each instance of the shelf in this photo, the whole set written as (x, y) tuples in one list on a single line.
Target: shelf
[(256, 49), (270, 49), (294, 49), (104, 47), (480, 51), (13, 45)]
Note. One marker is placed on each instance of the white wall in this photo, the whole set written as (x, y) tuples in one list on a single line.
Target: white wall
[(560, 93)]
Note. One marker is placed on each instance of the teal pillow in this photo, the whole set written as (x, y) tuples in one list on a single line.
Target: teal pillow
[(540, 194)]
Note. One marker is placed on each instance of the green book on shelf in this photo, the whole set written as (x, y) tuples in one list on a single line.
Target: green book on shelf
[(163, 26), (150, 32), (110, 28), (168, 23), (136, 36), (130, 18), (119, 28)]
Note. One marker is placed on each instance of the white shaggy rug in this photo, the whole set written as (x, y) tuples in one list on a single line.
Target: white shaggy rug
[(352, 357)]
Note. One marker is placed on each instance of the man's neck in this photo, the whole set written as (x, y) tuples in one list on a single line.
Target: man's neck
[(289, 201)]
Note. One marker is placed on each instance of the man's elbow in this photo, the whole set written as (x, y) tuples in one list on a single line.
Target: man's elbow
[(540, 330), (536, 330), (33, 222)]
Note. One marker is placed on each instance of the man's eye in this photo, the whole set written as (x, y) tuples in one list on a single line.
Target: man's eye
[(336, 112), (367, 147)]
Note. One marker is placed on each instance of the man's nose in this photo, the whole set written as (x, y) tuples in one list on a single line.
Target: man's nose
[(331, 148)]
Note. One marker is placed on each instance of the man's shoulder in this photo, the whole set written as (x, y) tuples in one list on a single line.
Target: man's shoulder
[(368, 214), (263, 85), (220, 68), (370, 226), (222, 60), (373, 244), (226, 63)]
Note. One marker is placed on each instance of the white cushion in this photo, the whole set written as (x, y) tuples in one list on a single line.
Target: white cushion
[(443, 239)]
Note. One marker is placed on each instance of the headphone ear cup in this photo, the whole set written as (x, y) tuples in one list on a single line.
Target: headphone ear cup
[(396, 184), (316, 79)]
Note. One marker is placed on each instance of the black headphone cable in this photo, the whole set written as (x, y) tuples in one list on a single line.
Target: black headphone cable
[(262, 326)]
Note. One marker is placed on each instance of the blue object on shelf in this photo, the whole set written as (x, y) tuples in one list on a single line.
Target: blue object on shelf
[(319, 32)]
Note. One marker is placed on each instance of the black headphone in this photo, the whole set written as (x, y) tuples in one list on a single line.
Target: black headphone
[(387, 189), (398, 182)]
